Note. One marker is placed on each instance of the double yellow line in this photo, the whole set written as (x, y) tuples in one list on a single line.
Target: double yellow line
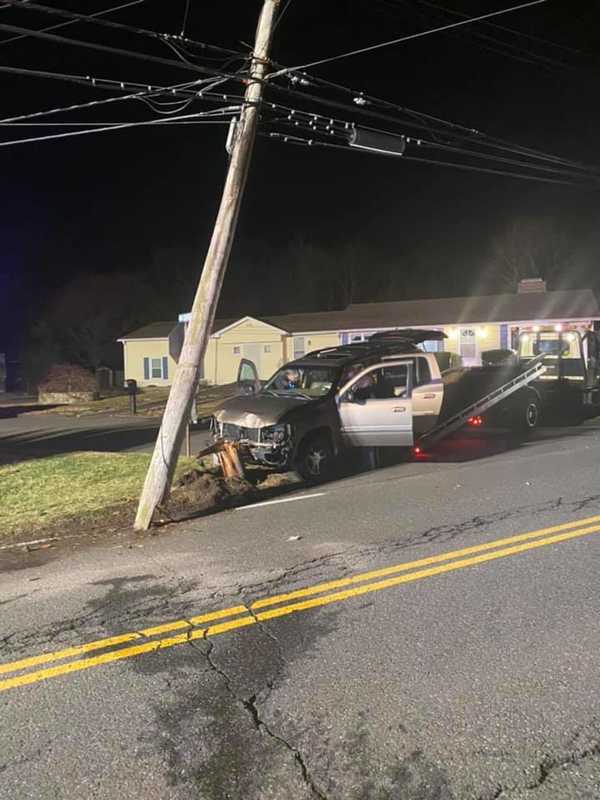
[(321, 594)]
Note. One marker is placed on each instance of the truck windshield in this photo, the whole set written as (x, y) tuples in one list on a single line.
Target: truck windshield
[(299, 380)]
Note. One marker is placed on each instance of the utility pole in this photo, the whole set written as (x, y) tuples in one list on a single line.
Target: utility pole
[(173, 426)]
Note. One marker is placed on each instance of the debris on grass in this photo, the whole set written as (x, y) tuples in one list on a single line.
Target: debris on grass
[(274, 480), (198, 491)]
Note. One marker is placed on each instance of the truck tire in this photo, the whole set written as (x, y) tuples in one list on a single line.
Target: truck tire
[(526, 416), (316, 458)]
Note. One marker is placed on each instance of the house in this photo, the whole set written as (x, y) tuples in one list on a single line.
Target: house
[(150, 353), (472, 325)]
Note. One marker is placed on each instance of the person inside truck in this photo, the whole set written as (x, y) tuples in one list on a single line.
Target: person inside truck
[(364, 389), (291, 379)]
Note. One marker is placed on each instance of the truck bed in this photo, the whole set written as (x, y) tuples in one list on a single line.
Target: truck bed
[(465, 385)]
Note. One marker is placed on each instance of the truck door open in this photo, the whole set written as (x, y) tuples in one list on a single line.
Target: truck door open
[(248, 381), (375, 407)]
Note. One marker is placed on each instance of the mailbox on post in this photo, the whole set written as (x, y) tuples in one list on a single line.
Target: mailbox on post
[(131, 389)]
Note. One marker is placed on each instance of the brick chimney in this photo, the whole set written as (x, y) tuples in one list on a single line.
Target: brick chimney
[(529, 285)]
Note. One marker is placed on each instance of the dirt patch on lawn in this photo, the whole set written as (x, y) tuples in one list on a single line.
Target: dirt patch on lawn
[(197, 493)]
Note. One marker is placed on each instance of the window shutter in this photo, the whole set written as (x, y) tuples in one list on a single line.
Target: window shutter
[(503, 337), (165, 367), (146, 369)]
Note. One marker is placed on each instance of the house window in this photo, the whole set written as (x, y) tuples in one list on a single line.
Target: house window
[(432, 346), (468, 343), (298, 347), (156, 369), (237, 350), (352, 336), (267, 348)]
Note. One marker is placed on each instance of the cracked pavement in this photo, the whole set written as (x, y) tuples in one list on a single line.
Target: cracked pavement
[(472, 685)]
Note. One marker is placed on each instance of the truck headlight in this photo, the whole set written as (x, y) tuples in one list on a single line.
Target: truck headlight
[(275, 433)]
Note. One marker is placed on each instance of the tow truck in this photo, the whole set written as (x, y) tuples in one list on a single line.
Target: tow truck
[(569, 388), (385, 392)]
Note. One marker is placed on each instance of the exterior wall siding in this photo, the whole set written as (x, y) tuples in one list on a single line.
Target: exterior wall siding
[(134, 352), (270, 349), (251, 339)]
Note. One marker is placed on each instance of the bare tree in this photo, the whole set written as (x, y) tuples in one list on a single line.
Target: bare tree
[(528, 248)]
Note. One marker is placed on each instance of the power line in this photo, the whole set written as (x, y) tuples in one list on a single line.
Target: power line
[(93, 19), (507, 49), (407, 38), (186, 15), (135, 91), (121, 126), (281, 13), (211, 71), (73, 21), (360, 99), (346, 130), (173, 121), (366, 104), (295, 140), (103, 48), (513, 31)]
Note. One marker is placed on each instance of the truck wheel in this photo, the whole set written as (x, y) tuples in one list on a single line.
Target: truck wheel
[(527, 415), (315, 461)]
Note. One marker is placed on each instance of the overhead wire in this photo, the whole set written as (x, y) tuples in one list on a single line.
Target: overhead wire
[(72, 21), (26, 5), (103, 48), (94, 124), (186, 15), (139, 91), (281, 13), (307, 121), (366, 104), (290, 139), (429, 123), (505, 28), (512, 50), (120, 126), (409, 37), (419, 120)]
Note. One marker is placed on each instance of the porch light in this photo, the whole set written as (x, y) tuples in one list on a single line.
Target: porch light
[(558, 328), (536, 328), (482, 331)]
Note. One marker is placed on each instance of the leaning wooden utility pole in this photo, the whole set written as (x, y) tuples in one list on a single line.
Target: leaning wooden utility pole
[(168, 444)]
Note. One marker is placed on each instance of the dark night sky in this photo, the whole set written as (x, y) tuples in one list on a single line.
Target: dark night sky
[(107, 202)]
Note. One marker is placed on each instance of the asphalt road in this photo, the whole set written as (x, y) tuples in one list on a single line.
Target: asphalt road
[(472, 674), (25, 435)]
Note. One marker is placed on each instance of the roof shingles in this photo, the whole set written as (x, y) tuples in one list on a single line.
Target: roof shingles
[(528, 307)]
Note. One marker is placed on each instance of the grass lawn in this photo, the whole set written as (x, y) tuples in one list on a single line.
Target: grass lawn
[(43, 491)]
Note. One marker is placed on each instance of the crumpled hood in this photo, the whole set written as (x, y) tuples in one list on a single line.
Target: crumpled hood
[(257, 411)]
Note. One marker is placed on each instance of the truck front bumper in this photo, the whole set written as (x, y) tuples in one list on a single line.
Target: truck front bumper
[(253, 448)]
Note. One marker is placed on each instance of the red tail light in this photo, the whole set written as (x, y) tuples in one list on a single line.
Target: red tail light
[(475, 421)]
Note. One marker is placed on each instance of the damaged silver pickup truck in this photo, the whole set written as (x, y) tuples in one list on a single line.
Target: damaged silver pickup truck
[(384, 392)]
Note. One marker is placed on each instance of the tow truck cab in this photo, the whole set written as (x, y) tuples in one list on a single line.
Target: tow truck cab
[(570, 385)]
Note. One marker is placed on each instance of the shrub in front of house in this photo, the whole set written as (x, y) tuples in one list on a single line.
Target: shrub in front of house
[(67, 383)]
